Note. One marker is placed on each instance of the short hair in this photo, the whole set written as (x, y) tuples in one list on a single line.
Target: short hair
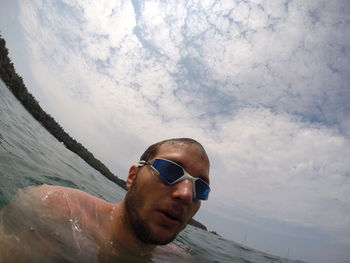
[(152, 150)]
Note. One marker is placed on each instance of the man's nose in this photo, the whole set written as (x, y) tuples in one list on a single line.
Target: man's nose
[(183, 190)]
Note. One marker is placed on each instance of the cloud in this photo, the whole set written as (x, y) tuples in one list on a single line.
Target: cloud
[(262, 84), (279, 57), (279, 167), (254, 56)]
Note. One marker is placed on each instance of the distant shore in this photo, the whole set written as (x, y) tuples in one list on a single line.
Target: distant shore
[(15, 83)]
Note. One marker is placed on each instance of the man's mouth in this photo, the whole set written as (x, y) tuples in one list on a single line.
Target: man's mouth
[(171, 217)]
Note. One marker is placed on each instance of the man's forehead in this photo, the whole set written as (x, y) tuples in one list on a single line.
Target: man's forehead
[(181, 147), (185, 155)]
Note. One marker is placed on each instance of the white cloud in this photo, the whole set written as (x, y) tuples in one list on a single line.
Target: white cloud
[(281, 168), (262, 84)]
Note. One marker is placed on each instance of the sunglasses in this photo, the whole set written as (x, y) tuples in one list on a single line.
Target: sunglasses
[(171, 173)]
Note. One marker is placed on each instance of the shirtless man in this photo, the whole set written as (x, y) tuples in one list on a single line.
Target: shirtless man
[(165, 190)]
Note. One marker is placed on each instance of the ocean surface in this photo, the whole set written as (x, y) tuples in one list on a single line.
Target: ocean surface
[(29, 155)]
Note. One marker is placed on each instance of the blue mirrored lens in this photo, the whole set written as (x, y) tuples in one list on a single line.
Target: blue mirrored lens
[(168, 171), (202, 189)]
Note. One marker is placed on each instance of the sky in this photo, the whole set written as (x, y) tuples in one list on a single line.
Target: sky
[(263, 85)]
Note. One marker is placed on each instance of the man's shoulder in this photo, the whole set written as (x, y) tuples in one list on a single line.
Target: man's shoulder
[(53, 193), (48, 191), (58, 199)]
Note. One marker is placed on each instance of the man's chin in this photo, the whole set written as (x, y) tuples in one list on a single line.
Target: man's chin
[(162, 236), (159, 241)]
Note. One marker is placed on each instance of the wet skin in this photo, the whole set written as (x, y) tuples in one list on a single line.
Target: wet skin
[(166, 209), (108, 230)]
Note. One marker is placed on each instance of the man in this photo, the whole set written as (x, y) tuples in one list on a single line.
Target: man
[(165, 190)]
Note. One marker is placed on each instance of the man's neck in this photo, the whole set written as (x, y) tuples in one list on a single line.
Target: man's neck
[(123, 234)]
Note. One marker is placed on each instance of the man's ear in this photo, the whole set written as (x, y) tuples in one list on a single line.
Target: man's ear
[(131, 176)]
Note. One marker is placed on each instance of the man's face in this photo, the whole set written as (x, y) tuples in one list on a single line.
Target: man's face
[(157, 212)]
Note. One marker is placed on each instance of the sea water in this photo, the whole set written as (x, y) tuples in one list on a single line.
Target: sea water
[(29, 155)]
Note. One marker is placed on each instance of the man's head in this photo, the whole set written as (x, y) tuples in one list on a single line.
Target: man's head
[(152, 150), (157, 212)]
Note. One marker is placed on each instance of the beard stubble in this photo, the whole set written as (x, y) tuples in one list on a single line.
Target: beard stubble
[(139, 226)]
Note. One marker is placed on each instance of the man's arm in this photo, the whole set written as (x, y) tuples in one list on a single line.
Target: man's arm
[(35, 222)]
